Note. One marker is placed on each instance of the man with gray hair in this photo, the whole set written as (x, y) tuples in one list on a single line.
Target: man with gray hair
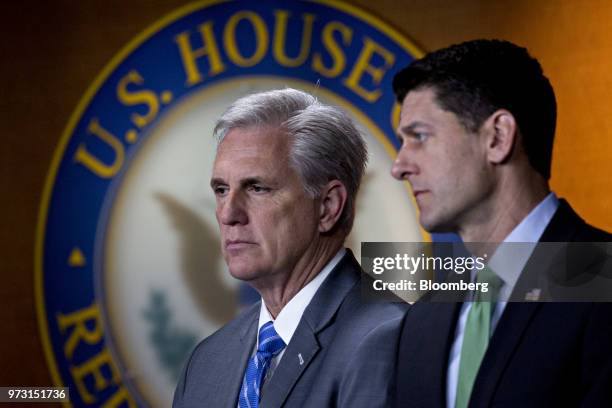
[(286, 177)]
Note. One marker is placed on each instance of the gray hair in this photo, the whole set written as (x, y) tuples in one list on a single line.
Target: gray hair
[(325, 143)]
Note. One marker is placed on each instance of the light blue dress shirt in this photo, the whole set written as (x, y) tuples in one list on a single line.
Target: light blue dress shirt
[(530, 229)]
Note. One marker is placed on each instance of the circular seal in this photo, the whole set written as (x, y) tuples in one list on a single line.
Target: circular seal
[(129, 275)]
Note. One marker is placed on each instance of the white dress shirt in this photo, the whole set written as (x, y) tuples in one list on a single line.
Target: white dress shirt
[(289, 317), (508, 266)]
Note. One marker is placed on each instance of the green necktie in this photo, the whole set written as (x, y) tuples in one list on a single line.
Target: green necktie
[(476, 335)]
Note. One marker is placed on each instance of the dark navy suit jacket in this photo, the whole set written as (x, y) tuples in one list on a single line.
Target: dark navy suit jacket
[(540, 355)]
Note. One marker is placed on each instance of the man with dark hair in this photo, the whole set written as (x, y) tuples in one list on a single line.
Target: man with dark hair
[(477, 126), (474, 79)]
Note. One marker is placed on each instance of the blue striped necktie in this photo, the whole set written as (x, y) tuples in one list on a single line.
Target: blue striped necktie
[(270, 344)]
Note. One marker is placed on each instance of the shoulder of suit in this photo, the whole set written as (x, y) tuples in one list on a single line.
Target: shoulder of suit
[(567, 223), (232, 329), (371, 313), (589, 233)]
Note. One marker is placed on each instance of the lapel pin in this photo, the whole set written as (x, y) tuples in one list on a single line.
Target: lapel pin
[(300, 358), (533, 295)]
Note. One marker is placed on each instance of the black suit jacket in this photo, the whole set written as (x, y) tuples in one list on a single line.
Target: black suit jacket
[(540, 355), (342, 353)]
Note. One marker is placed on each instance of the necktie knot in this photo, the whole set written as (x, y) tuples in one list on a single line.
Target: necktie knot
[(270, 343), (494, 283), (487, 275)]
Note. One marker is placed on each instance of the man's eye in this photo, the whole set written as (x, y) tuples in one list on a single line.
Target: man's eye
[(420, 137), (256, 188), (220, 190)]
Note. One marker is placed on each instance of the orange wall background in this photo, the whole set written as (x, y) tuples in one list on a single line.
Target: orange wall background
[(52, 51)]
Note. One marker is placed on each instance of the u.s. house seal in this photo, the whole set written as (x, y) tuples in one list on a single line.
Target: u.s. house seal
[(128, 269)]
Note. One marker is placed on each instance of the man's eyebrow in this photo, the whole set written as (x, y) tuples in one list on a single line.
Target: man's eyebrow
[(250, 181), (408, 129), (215, 181)]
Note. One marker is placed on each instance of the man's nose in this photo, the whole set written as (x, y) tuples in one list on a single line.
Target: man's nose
[(231, 210), (404, 164)]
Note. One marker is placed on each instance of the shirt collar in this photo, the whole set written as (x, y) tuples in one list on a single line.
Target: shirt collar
[(289, 317), (509, 263)]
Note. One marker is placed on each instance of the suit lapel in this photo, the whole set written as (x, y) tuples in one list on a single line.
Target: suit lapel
[(301, 350), (304, 344), (443, 321), (518, 316), (506, 338), (232, 372)]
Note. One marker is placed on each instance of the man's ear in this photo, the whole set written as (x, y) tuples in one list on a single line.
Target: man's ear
[(501, 134), (333, 200)]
